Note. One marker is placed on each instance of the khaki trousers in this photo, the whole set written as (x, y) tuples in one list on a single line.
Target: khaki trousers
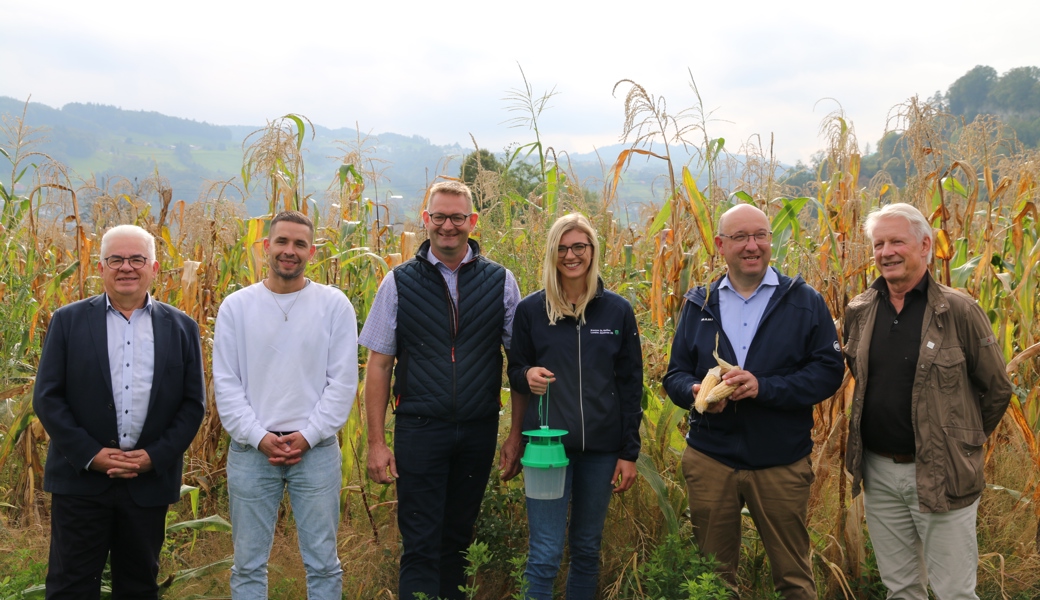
[(916, 549), (777, 499)]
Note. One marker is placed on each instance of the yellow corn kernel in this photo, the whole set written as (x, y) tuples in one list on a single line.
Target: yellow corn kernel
[(711, 379)]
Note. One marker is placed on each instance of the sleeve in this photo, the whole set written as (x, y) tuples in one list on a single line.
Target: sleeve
[(989, 378), (236, 414), (679, 379), (380, 331), (511, 297), (818, 375), (628, 374), (521, 352), (333, 408), (50, 403), (174, 441), (845, 332)]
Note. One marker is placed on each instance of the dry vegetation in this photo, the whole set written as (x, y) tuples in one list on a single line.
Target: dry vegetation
[(976, 182)]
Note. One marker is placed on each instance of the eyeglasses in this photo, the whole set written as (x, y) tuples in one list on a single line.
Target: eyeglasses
[(136, 261), (457, 219), (742, 238), (577, 249)]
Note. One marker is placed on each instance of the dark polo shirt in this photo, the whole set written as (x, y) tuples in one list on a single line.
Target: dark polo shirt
[(895, 345)]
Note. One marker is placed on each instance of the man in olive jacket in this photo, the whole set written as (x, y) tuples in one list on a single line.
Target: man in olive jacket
[(930, 388)]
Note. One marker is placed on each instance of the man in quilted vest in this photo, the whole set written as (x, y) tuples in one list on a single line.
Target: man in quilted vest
[(436, 328)]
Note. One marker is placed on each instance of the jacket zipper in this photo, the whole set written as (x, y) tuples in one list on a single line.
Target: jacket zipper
[(453, 318), (454, 335), (581, 396)]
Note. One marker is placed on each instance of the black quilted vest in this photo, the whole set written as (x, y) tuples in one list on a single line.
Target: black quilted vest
[(449, 362)]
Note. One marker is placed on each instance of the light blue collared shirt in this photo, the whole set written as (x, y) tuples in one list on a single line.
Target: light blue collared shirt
[(741, 316), (131, 361)]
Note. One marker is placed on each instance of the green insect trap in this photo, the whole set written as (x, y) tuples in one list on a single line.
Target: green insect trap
[(545, 459)]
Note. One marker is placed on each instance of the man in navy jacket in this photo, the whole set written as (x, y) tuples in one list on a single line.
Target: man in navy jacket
[(753, 449), (120, 392)]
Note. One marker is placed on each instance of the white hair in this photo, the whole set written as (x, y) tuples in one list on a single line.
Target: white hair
[(919, 225), (128, 232)]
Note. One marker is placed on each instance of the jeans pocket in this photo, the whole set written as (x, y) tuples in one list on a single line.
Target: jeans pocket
[(326, 442), (236, 447)]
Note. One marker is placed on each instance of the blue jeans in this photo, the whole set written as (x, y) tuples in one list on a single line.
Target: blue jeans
[(255, 489), (587, 490), (442, 469)]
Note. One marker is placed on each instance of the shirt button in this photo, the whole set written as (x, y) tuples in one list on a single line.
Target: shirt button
[(126, 412), (126, 388)]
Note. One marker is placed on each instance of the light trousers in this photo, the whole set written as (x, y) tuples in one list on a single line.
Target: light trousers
[(255, 490), (915, 549)]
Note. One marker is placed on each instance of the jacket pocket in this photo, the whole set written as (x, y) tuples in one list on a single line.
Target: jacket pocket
[(963, 461), (950, 369)]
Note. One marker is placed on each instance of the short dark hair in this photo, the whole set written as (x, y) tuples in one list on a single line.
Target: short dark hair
[(293, 216)]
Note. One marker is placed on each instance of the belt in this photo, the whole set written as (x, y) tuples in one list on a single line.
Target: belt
[(281, 433), (896, 457)]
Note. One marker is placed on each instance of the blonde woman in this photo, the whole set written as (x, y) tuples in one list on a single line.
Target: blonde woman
[(581, 343)]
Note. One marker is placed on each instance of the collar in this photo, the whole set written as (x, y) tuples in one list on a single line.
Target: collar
[(881, 286), (465, 259), (769, 279), (147, 303)]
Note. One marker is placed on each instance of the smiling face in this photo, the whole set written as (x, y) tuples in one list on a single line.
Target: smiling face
[(749, 260), (289, 248), (126, 286), (570, 267), (447, 240), (901, 258)]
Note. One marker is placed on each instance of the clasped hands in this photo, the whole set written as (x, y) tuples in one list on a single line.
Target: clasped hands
[(284, 450), (120, 464)]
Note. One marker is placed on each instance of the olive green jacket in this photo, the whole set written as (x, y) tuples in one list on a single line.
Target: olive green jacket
[(960, 393)]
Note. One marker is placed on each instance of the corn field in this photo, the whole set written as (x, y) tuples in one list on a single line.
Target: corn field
[(975, 182)]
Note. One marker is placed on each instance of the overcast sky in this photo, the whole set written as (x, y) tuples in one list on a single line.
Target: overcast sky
[(441, 69)]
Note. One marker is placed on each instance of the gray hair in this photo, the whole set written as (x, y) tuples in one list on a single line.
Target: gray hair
[(919, 225), (128, 231)]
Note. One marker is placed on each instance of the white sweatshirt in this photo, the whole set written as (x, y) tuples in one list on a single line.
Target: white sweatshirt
[(278, 372)]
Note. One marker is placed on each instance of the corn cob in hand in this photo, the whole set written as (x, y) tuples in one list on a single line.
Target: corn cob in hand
[(713, 390)]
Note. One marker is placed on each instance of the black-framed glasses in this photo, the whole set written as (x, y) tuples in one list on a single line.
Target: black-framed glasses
[(457, 219), (136, 261), (578, 249), (742, 238)]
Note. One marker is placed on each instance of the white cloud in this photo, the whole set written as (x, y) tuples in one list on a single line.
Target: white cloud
[(440, 70)]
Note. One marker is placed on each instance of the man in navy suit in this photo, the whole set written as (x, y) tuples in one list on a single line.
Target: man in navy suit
[(120, 391)]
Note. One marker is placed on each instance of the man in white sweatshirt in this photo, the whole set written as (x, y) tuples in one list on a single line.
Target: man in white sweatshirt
[(285, 374)]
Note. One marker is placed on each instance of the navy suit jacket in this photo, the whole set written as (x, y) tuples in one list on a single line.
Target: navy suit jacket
[(73, 400)]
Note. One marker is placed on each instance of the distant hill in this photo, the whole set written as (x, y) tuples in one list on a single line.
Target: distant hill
[(107, 142)]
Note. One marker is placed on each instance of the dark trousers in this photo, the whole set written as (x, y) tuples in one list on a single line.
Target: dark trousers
[(85, 529), (442, 471)]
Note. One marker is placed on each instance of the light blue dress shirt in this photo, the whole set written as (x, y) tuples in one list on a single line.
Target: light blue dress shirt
[(741, 316), (131, 360)]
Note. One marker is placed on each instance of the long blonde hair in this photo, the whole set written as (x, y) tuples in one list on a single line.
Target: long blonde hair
[(556, 306)]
